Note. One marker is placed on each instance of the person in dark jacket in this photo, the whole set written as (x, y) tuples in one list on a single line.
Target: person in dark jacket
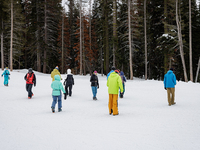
[(69, 82), (123, 83), (94, 84), (30, 80), (169, 85)]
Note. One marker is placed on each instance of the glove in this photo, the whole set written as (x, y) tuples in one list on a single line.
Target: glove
[(165, 88), (2, 75), (34, 84)]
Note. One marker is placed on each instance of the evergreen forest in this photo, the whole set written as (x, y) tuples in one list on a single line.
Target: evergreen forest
[(143, 38)]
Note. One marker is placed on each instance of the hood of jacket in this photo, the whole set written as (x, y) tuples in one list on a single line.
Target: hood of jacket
[(57, 77), (68, 71), (114, 74), (56, 71), (170, 72)]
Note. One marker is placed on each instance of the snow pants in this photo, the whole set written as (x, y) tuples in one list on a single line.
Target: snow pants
[(55, 99), (5, 80), (94, 91), (29, 89), (68, 86), (170, 95), (113, 104)]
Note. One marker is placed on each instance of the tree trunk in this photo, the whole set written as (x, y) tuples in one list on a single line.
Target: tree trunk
[(84, 61), (130, 46), (90, 26), (145, 37), (11, 38), (114, 30), (106, 36), (197, 74), (45, 32), (37, 37), (190, 36), (178, 22), (2, 53), (80, 11), (63, 42), (165, 31), (101, 61)]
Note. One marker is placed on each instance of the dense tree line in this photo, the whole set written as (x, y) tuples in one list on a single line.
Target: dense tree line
[(41, 34)]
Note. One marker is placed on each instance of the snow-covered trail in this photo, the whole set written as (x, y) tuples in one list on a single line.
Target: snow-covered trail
[(145, 121)]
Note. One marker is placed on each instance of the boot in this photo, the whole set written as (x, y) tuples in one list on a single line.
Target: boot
[(111, 111), (59, 109), (65, 96), (53, 109)]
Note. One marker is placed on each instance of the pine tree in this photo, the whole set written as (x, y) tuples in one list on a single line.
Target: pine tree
[(73, 17), (64, 43), (15, 24), (3, 16)]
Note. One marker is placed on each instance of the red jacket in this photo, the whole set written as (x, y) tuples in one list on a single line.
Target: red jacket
[(30, 78)]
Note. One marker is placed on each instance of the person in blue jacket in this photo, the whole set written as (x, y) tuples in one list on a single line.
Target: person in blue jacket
[(123, 83), (6, 74), (169, 85), (112, 70), (57, 86)]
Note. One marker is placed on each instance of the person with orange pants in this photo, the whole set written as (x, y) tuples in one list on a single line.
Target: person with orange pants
[(114, 82)]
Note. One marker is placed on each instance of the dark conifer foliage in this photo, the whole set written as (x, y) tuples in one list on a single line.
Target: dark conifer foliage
[(39, 31)]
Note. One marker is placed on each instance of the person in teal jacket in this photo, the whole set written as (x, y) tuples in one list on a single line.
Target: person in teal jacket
[(169, 85), (56, 93), (6, 74)]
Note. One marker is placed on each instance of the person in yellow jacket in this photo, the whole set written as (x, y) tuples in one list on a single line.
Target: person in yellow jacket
[(114, 82), (55, 72)]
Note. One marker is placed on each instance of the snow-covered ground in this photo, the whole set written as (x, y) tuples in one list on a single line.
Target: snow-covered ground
[(145, 121)]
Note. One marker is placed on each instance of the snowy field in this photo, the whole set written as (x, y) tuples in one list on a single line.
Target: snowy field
[(145, 121)]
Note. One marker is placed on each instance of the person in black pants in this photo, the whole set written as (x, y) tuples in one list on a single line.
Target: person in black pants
[(69, 82), (30, 80)]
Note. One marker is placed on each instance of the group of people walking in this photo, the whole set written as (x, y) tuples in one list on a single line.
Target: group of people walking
[(115, 83), (57, 86)]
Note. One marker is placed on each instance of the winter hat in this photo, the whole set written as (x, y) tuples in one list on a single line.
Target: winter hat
[(57, 68), (113, 68), (122, 73), (30, 70), (171, 69), (68, 71), (95, 71), (117, 71), (6, 68)]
